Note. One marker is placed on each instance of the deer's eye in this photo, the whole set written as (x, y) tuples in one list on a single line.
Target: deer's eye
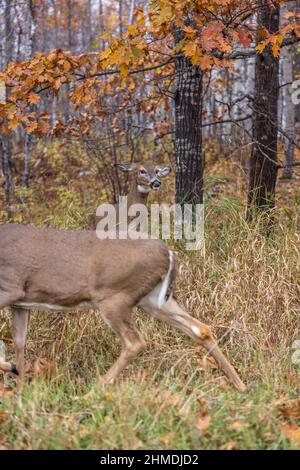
[(143, 172)]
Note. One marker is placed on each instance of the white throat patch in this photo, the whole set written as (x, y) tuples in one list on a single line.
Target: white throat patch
[(143, 189)]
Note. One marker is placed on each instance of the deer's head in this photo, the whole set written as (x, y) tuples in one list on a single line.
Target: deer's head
[(146, 175)]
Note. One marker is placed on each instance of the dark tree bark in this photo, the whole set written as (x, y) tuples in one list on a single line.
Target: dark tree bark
[(188, 133), (263, 161)]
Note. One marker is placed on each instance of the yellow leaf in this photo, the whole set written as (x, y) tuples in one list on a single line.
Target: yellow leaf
[(261, 46), (276, 49), (105, 54), (13, 124), (124, 70), (132, 29)]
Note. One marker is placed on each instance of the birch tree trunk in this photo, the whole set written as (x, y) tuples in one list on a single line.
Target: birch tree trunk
[(5, 140), (30, 52), (69, 47), (289, 112)]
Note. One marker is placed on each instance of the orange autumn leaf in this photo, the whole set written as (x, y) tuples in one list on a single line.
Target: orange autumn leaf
[(292, 433), (202, 423), (5, 391), (289, 408), (33, 98), (13, 124), (237, 426), (32, 127)]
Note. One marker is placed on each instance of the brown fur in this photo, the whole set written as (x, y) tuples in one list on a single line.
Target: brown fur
[(65, 268)]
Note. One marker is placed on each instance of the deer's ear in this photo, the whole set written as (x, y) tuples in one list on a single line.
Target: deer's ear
[(164, 171), (126, 167)]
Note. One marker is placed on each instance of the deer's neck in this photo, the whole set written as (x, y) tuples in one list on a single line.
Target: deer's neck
[(136, 195)]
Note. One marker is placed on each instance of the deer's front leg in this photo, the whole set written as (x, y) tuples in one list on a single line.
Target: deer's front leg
[(116, 314), (20, 321)]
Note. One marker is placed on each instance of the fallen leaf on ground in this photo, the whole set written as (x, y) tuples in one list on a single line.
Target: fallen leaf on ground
[(202, 423), (202, 407), (291, 433), (223, 384), (289, 408), (4, 391), (170, 399), (231, 445), (237, 426)]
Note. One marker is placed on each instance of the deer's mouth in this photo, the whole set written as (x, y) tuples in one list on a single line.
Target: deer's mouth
[(155, 185)]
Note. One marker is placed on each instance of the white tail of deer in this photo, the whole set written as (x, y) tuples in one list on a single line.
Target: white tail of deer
[(48, 269)]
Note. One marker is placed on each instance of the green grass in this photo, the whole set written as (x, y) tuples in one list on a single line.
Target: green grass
[(140, 414)]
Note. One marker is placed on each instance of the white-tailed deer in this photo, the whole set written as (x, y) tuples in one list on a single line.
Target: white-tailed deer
[(60, 270), (145, 177)]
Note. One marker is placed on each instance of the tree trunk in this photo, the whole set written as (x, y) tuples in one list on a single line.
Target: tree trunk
[(296, 73), (6, 169), (289, 112), (263, 161), (120, 18), (27, 158), (30, 53), (188, 134), (69, 47), (5, 140), (288, 116)]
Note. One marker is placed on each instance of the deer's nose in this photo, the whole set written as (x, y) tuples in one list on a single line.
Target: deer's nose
[(155, 184)]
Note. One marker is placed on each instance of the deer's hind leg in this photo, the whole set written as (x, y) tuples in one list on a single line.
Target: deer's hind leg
[(173, 314), (20, 322), (117, 314)]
